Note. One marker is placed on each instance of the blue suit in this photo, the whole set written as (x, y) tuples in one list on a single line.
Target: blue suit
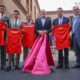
[(60, 52), (65, 20), (76, 38), (47, 26)]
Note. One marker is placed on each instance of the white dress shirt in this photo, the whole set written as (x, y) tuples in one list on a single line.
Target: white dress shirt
[(43, 21), (60, 20), (16, 21), (1, 16)]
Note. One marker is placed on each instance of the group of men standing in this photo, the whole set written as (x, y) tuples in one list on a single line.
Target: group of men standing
[(42, 25)]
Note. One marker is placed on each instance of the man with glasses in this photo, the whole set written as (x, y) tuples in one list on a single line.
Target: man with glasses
[(76, 34)]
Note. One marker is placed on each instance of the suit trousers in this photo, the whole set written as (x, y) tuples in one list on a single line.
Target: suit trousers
[(62, 58), (3, 56), (77, 50)]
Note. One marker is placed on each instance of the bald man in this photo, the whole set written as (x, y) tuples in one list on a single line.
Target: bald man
[(43, 24)]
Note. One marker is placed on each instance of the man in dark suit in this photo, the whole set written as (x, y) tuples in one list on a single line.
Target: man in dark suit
[(58, 21), (4, 18), (42, 24)]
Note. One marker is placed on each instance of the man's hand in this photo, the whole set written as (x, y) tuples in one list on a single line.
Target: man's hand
[(45, 31), (41, 32), (6, 23), (70, 23)]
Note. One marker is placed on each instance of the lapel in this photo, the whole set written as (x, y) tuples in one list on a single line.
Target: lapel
[(63, 20), (45, 22), (40, 21), (13, 23), (57, 21)]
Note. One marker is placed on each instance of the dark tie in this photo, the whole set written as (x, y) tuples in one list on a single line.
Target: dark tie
[(15, 22)]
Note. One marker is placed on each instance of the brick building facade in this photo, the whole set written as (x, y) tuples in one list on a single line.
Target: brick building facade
[(24, 6)]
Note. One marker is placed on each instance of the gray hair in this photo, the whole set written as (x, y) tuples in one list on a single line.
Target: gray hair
[(76, 7), (28, 15)]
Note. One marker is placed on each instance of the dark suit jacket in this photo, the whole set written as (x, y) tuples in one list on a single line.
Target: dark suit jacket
[(27, 23), (6, 19), (47, 26), (65, 20)]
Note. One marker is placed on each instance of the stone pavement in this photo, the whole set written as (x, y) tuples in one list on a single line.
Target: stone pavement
[(61, 74)]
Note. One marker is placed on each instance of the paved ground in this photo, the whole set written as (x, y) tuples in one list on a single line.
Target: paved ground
[(62, 74)]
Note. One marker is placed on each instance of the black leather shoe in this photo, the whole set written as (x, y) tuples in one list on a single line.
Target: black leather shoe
[(76, 66), (59, 67), (8, 68), (2, 68), (17, 67), (67, 66)]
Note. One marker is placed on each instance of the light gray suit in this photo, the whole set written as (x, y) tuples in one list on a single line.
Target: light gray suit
[(12, 24), (76, 38)]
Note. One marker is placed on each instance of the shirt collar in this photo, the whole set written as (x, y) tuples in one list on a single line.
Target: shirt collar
[(1, 14), (17, 19), (60, 18)]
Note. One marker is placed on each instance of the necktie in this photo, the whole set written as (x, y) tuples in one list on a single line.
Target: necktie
[(15, 22)]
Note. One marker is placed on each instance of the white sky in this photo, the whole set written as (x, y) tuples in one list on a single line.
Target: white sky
[(52, 5)]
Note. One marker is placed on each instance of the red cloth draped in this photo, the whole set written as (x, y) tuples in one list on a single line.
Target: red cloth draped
[(29, 35), (13, 41), (2, 28), (62, 36)]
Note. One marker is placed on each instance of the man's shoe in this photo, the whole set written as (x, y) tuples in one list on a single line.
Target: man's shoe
[(59, 67), (17, 67), (76, 66), (8, 69), (67, 66), (2, 68)]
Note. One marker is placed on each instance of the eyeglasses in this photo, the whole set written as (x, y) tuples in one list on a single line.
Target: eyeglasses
[(75, 9)]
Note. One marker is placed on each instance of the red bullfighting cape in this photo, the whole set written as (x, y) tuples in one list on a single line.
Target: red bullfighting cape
[(29, 35), (2, 28), (40, 57), (13, 41), (62, 36)]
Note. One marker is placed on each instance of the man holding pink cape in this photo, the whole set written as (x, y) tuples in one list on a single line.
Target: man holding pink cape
[(40, 56)]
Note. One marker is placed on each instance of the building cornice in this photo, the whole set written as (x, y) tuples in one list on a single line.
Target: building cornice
[(54, 12)]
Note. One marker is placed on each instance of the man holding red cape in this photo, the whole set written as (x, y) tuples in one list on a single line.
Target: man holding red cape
[(40, 56), (61, 33), (28, 35), (4, 22), (14, 40)]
